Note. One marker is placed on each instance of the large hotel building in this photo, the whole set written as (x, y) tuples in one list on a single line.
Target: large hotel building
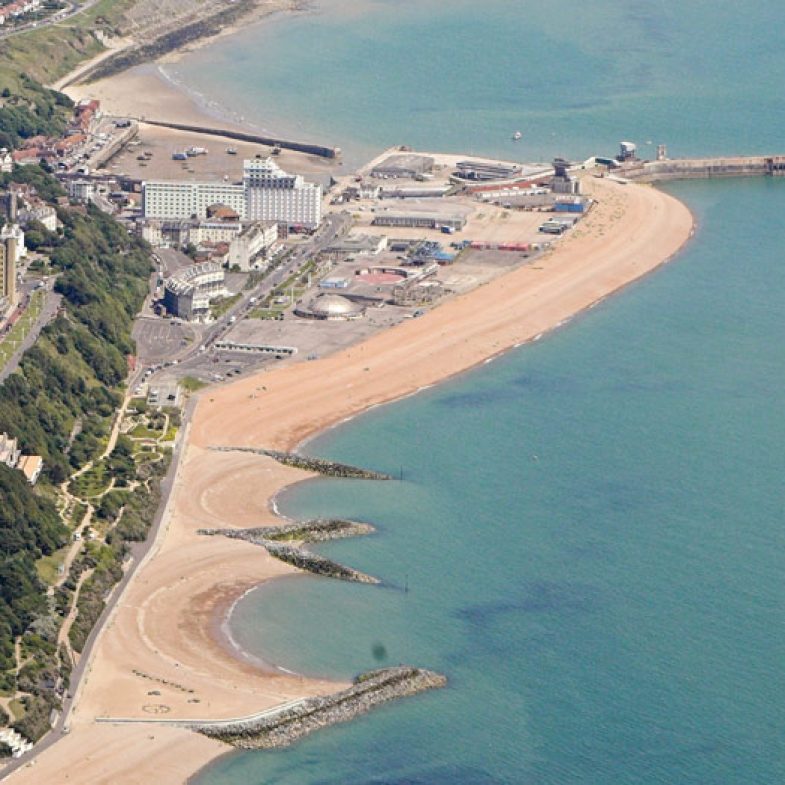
[(267, 193)]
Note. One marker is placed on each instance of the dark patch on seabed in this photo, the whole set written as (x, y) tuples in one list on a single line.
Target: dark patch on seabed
[(535, 597), (437, 775), (511, 391)]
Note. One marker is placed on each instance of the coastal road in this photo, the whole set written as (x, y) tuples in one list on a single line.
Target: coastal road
[(71, 10), (334, 225), (48, 312)]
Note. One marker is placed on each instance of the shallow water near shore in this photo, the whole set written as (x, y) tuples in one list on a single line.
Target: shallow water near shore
[(588, 536)]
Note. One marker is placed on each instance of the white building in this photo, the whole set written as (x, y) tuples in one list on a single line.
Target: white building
[(17, 233), (273, 195), (257, 239), (188, 294), (187, 200), (9, 451), (266, 194), (41, 212), (6, 159), (81, 190)]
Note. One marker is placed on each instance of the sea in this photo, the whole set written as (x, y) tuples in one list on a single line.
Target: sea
[(586, 535)]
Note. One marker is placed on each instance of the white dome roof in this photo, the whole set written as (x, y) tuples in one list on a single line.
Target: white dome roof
[(334, 305)]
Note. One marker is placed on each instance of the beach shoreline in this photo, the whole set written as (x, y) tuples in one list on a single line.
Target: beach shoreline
[(167, 648), (165, 624)]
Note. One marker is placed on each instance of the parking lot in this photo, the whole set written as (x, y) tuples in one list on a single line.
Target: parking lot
[(162, 340)]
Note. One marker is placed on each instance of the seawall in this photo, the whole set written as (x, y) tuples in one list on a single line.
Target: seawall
[(703, 168), (241, 136)]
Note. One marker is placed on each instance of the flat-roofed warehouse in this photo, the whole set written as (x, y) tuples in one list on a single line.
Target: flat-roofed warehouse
[(486, 170), (420, 220), (403, 165)]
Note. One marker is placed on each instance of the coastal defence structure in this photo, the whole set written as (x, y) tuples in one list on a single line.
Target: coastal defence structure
[(698, 168), (322, 151)]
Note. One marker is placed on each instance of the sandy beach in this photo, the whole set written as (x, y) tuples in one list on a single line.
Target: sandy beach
[(162, 655)]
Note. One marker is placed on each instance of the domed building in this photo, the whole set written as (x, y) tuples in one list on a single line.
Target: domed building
[(331, 308)]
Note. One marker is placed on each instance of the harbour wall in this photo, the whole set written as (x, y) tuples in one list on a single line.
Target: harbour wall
[(703, 168), (241, 136)]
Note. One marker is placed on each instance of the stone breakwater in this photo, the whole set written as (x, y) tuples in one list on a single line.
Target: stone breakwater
[(317, 465), (317, 530), (311, 531), (284, 728)]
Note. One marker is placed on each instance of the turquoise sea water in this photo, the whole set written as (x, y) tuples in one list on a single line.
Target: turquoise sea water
[(591, 527), (574, 77)]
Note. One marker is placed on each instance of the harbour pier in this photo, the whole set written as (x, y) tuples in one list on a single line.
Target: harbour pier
[(703, 168)]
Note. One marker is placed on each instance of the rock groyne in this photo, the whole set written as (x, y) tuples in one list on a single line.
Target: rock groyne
[(317, 530), (317, 465), (287, 726), (270, 538)]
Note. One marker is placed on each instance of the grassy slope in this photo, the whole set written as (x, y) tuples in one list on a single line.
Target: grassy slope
[(49, 53)]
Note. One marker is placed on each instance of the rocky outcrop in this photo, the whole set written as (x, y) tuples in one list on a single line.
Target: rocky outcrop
[(317, 465), (283, 728)]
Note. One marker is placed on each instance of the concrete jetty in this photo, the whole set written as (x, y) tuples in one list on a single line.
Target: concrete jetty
[(241, 136), (702, 168)]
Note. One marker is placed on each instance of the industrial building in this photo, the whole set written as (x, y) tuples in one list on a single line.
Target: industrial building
[(562, 181), (419, 220), (486, 170), (359, 245), (267, 193), (190, 291), (405, 165)]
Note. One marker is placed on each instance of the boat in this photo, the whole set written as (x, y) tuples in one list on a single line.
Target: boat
[(231, 151), (517, 136)]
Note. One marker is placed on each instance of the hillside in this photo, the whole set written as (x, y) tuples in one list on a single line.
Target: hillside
[(139, 29)]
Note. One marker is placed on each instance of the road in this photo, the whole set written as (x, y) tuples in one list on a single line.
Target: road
[(72, 9), (48, 312), (333, 226)]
